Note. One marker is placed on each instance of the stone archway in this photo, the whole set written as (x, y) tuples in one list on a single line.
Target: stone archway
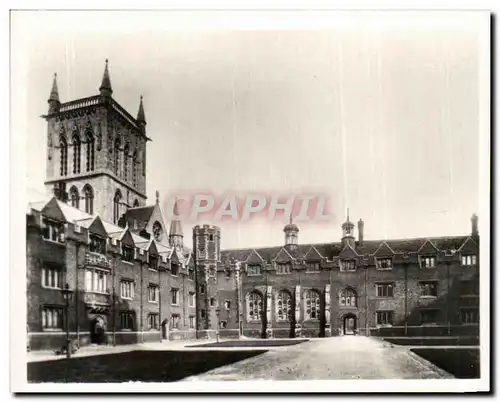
[(97, 331), (349, 324)]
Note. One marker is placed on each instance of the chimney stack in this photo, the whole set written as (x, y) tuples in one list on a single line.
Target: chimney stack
[(361, 225), (475, 231)]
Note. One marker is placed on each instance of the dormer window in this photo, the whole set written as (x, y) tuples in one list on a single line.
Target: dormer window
[(127, 253), (97, 244), (312, 266), (153, 262), (428, 262), (384, 263), (174, 269), (347, 265), (283, 268), (253, 270), (469, 259), (53, 230)]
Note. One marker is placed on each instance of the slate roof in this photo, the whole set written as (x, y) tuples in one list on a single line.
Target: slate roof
[(137, 218), (332, 250)]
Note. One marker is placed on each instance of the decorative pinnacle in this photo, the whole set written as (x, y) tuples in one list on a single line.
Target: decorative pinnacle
[(157, 197), (54, 93), (141, 116), (105, 87)]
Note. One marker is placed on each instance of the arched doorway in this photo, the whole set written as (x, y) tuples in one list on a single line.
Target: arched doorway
[(97, 331), (164, 329), (349, 324)]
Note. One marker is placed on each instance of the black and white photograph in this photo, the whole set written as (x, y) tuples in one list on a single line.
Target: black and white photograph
[(250, 201)]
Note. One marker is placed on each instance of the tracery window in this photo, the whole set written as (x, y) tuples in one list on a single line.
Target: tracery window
[(311, 305), (254, 307), (125, 162), (116, 164), (90, 151), (74, 197), (64, 156), (76, 153), (283, 306), (116, 206), (89, 199), (134, 169), (347, 298)]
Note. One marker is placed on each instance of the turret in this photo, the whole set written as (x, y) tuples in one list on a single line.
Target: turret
[(348, 232), (176, 236), (291, 235), (206, 246)]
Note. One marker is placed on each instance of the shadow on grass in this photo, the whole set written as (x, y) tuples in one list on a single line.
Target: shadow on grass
[(250, 343), (457, 341), (462, 363), (146, 366)]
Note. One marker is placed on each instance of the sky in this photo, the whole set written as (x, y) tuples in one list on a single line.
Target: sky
[(379, 111)]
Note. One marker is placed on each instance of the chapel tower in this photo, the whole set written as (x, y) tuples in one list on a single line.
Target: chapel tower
[(96, 152)]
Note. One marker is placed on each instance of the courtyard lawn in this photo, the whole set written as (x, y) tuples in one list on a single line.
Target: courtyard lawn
[(146, 366), (462, 363)]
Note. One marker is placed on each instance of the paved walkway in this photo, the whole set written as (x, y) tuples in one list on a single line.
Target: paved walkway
[(347, 357)]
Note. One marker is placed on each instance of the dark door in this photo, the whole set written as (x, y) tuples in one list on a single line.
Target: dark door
[(97, 332), (349, 325)]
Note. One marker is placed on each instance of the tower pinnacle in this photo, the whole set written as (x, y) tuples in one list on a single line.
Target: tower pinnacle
[(141, 117), (54, 96), (105, 87)]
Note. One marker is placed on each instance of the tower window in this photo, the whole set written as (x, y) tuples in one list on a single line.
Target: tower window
[(125, 162), (210, 237), (89, 199), (116, 206), (64, 156), (74, 197), (116, 164), (76, 153), (90, 151), (134, 169)]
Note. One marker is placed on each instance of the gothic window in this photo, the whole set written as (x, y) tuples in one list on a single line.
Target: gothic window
[(283, 306), (311, 305), (90, 151), (116, 163), (347, 298), (76, 153), (89, 199), (74, 197), (134, 169), (64, 156), (125, 162), (254, 307), (116, 206)]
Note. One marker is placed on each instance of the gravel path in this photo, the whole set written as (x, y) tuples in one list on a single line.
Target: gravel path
[(348, 357)]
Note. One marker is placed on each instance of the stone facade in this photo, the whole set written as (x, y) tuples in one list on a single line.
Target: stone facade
[(133, 281)]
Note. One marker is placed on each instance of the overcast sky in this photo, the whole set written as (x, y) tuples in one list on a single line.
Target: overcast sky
[(378, 110)]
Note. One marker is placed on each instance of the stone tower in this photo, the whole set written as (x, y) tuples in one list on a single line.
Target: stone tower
[(206, 248), (96, 158)]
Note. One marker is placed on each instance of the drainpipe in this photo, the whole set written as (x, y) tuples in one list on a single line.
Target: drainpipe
[(113, 299), (77, 293), (159, 292), (141, 308)]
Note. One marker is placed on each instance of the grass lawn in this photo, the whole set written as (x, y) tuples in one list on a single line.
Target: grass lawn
[(250, 343), (146, 366), (462, 363), (434, 341)]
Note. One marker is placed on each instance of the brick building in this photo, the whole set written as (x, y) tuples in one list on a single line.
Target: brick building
[(132, 280)]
